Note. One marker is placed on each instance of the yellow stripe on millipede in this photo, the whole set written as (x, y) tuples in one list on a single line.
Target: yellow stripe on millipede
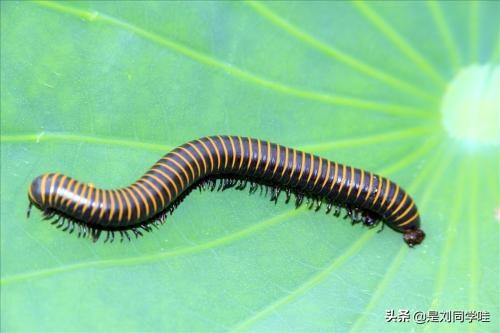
[(119, 193), (327, 176), (302, 166), (268, 157), (311, 168), (150, 195), (146, 204), (259, 156), (104, 204), (386, 194), (294, 166), (95, 203), (77, 202), (112, 205), (169, 179), (351, 182), (395, 195), (67, 192), (406, 211), (126, 202), (216, 152), (278, 151), (179, 166), (335, 175), (156, 189), (133, 188), (405, 196), (361, 183), (42, 186), (201, 156), (87, 199), (172, 170), (250, 155), (187, 163), (342, 181), (194, 160), (286, 163), (209, 154), (233, 147), (226, 155), (318, 175), (409, 220), (52, 187), (162, 183), (379, 188), (370, 184), (137, 206), (74, 194), (242, 153), (30, 193)]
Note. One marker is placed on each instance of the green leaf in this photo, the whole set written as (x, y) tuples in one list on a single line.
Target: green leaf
[(100, 90)]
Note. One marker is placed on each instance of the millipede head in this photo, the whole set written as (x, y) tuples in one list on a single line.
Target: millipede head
[(414, 237)]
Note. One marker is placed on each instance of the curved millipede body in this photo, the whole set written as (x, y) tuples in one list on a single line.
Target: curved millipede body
[(235, 161)]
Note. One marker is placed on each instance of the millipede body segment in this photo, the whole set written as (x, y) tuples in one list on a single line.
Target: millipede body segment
[(234, 160)]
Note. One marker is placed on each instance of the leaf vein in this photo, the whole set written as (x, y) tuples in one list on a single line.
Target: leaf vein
[(155, 257), (336, 54), (400, 42), (357, 103)]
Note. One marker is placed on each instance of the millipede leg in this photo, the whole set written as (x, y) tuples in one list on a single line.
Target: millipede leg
[(136, 232), (48, 214), (146, 227), (318, 205), (56, 220), (228, 184), (253, 187), (264, 188), (329, 208), (310, 203), (242, 185), (61, 224), (72, 228), (212, 184), (95, 233), (298, 200), (28, 211), (107, 236), (336, 213), (68, 224), (275, 193)]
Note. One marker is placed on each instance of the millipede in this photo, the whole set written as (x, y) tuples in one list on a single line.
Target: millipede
[(223, 162)]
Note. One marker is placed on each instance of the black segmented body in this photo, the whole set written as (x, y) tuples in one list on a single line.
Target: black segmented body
[(232, 158)]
